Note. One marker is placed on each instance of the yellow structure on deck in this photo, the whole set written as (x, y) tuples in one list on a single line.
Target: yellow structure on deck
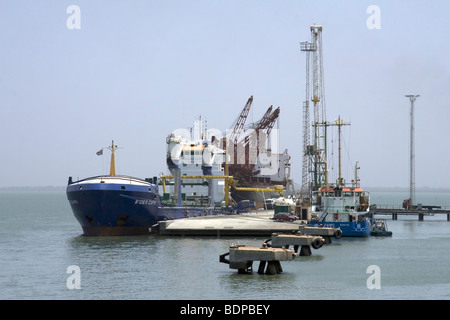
[(229, 181)]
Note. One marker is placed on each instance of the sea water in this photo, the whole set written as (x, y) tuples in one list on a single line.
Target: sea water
[(44, 256)]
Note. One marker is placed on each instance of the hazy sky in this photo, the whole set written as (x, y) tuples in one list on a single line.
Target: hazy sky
[(137, 70)]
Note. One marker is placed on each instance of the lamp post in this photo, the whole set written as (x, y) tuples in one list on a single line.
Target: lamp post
[(412, 187)]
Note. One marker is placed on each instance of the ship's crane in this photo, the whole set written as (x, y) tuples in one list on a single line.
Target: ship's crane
[(265, 125), (260, 131), (264, 118), (245, 143), (268, 120), (238, 126), (240, 121)]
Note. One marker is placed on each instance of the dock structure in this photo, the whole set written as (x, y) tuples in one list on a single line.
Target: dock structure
[(420, 212), (325, 233), (241, 258), (298, 241), (259, 223)]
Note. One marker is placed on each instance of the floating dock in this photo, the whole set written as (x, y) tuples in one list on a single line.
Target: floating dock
[(257, 223)]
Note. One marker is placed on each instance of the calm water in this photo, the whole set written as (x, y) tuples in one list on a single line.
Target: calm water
[(40, 239)]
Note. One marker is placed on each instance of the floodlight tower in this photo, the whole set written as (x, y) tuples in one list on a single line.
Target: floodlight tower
[(412, 186)]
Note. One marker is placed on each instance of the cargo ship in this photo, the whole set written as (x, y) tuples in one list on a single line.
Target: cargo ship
[(118, 205)]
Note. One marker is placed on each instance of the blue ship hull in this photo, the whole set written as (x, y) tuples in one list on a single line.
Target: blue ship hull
[(121, 205), (349, 229)]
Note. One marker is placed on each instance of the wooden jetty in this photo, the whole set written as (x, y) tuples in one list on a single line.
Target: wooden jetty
[(241, 258), (419, 211)]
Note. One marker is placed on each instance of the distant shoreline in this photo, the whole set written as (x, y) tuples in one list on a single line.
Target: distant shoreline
[(370, 189), (36, 188)]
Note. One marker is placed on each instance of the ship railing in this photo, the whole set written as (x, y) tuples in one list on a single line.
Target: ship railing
[(386, 206), (342, 209)]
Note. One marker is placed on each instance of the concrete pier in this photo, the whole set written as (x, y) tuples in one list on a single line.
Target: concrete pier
[(298, 241), (241, 258), (258, 223)]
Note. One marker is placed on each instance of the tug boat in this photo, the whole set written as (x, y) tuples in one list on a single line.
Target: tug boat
[(380, 229), (344, 208), (340, 206)]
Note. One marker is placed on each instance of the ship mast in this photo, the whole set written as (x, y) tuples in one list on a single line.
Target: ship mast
[(339, 123), (356, 180), (112, 169)]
